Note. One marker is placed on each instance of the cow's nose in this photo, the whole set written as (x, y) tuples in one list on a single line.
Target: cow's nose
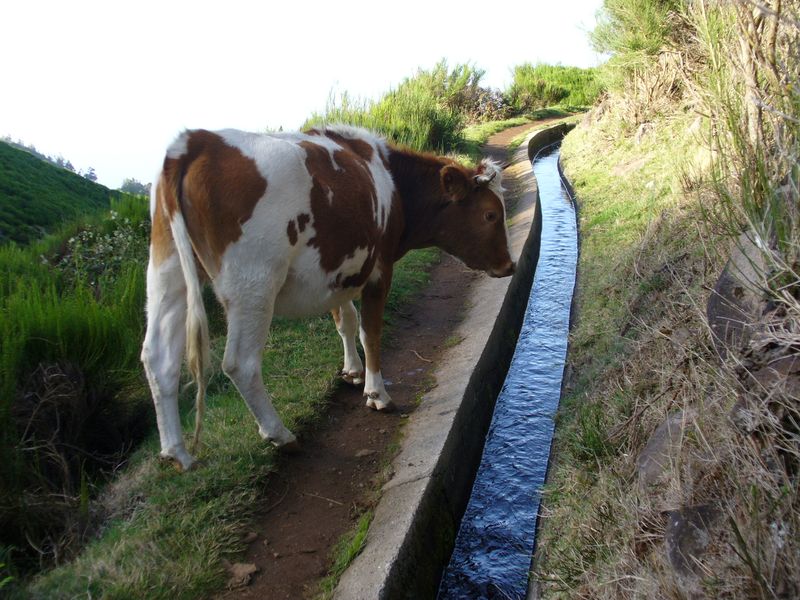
[(505, 270)]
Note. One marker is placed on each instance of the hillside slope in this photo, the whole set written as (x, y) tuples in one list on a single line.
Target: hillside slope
[(36, 196)]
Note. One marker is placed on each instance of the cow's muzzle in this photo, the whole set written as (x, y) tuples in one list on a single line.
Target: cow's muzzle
[(504, 271)]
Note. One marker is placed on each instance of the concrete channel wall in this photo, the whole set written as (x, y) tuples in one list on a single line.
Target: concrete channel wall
[(412, 534)]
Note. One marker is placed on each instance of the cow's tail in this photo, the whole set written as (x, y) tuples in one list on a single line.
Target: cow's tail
[(197, 341)]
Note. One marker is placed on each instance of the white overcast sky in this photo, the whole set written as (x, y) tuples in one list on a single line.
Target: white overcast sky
[(109, 84)]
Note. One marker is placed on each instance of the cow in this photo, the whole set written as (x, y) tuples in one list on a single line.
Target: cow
[(296, 224)]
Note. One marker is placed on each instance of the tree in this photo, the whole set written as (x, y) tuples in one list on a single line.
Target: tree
[(90, 174), (132, 186)]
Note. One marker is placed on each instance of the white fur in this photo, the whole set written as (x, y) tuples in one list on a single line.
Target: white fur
[(492, 174), (179, 147)]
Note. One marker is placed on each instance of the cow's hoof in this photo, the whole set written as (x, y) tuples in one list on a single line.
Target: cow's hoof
[(292, 447), (287, 442), (179, 458), (353, 377), (375, 401)]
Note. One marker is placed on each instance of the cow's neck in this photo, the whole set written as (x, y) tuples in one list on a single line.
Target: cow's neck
[(417, 177)]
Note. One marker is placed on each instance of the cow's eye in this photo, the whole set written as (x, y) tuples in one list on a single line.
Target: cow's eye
[(490, 216)]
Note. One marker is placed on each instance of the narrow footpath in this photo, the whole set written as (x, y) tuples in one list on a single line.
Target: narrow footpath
[(318, 495)]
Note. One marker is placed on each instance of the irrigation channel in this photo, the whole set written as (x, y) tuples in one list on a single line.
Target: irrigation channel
[(494, 546)]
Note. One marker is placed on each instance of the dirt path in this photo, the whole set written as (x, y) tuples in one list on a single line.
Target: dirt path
[(317, 495)]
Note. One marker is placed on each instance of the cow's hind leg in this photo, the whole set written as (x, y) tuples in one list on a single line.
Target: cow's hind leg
[(346, 319), (163, 350), (248, 326)]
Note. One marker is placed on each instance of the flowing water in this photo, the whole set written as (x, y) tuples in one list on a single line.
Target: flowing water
[(492, 554)]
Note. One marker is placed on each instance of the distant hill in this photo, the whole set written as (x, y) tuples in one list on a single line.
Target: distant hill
[(36, 196)]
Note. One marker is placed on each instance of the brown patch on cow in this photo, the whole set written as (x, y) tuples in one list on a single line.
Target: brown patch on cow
[(337, 317), (373, 300), (355, 145), (220, 188), (161, 244), (343, 203), (291, 231), (302, 220)]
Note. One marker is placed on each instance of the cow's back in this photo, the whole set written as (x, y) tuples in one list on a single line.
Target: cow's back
[(305, 212)]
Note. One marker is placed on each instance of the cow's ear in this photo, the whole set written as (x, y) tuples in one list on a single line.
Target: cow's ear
[(455, 183)]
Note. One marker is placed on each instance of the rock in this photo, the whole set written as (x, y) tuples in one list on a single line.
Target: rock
[(737, 299), (768, 403), (250, 537), (240, 574), (662, 449), (364, 453), (688, 533)]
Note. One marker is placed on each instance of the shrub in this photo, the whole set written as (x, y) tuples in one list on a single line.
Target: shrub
[(426, 112), (543, 85), (634, 33)]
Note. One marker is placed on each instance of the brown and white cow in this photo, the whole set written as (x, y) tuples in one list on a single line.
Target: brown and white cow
[(296, 224)]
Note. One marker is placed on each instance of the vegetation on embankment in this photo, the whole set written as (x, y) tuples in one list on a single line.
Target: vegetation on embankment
[(447, 110), (538, 86), (697, 141), (70, 398), (72, 324), (36, 197)]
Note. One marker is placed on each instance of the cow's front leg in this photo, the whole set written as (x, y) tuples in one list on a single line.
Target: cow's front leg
[(373, 300), (346, 319)]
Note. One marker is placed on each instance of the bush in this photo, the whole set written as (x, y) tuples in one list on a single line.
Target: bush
[(542, 85), (635, 33), (426, 112)]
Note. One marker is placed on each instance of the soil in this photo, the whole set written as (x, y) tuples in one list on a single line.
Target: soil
[(318, 494)]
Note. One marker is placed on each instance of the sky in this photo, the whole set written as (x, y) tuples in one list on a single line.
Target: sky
[(110, 84)]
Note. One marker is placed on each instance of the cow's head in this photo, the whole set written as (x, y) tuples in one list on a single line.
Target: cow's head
[(473, 227)]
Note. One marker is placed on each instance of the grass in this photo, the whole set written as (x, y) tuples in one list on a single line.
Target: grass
[(538, 86), (642, 256), (36, 196), (630, 185), (345, 552), (69, 407), (661, 193)]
